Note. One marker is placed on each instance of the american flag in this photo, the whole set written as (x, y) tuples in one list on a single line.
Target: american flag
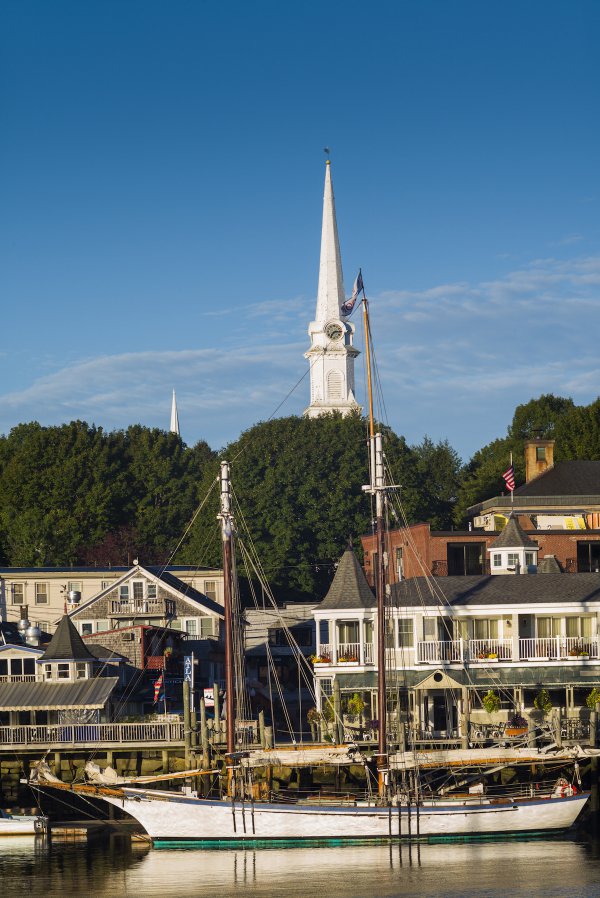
[(356, 291), (509, 478), (157, 688)]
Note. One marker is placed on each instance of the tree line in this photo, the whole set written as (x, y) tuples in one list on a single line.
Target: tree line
[(76, 494)]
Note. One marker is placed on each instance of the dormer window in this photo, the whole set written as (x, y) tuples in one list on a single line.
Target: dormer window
[(81, 670), (63, 671), (513, 559), (497, 559)]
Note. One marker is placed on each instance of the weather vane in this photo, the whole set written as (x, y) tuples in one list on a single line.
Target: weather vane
[(326, 151)]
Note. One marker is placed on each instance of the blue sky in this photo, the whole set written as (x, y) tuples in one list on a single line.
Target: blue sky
[(162, 177)]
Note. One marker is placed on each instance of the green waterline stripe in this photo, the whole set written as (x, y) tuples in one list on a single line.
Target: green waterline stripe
[(234, 844)]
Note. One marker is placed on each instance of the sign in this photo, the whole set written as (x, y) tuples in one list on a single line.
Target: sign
[(188, 669), (209, 697)]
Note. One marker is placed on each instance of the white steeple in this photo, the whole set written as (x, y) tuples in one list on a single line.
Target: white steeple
[(331, 354), (174, 428)]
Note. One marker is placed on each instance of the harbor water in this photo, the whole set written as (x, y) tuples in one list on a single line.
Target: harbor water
[(568, 867)]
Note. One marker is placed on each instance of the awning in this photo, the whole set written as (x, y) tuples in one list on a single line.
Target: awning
[(56, 696)]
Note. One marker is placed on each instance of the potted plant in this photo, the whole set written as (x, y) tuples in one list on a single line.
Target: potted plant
[(543, 702), (516, 726), (593, 699), (491, 701)]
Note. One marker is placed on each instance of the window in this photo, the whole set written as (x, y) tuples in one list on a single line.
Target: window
[(18, 593), (348, 631), (81, 670), (206, 627), (41, 593), (87, 629), (191, 627), (175, 625), (529, 559), (399, 564), (486, 628), (29, 666), (151, 590), (430, 629), (464, 559), (16, 667), (547, 627), (63, 672), (334, 385), (326, 687), (540, 453), (405, 633), (102, 626), (105, 584), (124, 591), (579, 626), (588, 557), (512, 559), (324, 632), (138, 589), (210, 589), (47, 671), (497, 559)]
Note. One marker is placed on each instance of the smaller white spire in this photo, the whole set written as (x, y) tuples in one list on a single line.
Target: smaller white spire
[(174, 428)]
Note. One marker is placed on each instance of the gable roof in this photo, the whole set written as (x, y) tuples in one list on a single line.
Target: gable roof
[(524, 589), (565, 478), (66, 644), (513, 537), (157, 574), (349, 588)]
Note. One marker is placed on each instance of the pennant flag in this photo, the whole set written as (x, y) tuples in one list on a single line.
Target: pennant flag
[(509, 478), (157, 687), (356, 291)]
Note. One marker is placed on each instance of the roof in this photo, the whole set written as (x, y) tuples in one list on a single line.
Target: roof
[(525, 589), (66, 644), (513, 537), (565, 478), (103, 652), (92, 693), (349, 588), (548, 565), (188, 591)]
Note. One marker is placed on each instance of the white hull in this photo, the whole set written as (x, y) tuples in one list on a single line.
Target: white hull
[(21, 825), (168, 816)]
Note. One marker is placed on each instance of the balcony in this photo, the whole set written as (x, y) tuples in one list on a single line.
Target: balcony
[(162, 608), (490, 651), (345, 653)]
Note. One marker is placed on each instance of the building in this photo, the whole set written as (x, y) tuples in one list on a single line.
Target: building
[(331, 354), (63, 683), (45, 590), (558, 508), (452, 639)]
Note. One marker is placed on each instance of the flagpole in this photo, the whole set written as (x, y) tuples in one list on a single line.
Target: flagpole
[(512, 492)]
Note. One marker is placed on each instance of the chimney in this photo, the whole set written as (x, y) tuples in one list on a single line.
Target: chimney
[(539, 457)]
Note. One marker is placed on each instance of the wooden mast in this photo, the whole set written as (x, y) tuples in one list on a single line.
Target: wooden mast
[(226, 518), (377, 488)]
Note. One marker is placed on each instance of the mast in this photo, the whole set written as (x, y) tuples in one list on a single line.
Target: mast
[(226, 518), (377, 488)]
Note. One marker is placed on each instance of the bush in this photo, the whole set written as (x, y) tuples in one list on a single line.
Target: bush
[(593, 699)]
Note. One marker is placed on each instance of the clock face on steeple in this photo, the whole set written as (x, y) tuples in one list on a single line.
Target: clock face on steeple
[(334, 330)]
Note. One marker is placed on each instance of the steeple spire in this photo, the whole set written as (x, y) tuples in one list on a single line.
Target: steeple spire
[(331, 295), (331, 354), (174, 428)]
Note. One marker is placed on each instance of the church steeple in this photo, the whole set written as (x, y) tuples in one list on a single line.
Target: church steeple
[(331, 295), (174, 428), (331, 354)]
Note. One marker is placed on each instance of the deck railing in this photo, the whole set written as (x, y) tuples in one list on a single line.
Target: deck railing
[(93, 733)]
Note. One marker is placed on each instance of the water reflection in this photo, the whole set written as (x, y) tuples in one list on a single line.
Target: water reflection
[(116, 867)]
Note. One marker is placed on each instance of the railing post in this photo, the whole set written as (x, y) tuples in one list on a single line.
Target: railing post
[(461, 649)]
